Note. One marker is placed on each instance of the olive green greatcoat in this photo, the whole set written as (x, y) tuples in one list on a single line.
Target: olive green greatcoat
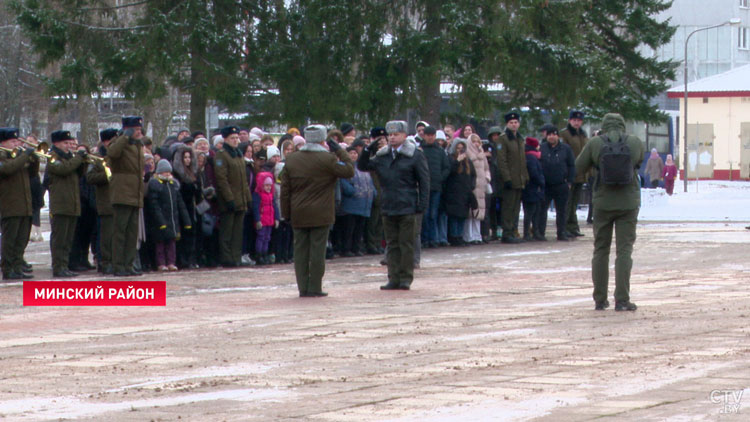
[(511, 159), (231, 179), (577, 139), (95, 175), (64, 173), (307, 185), (126, 163), (15, 191)]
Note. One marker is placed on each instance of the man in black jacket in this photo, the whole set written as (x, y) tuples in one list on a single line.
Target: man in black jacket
[(559, 166), (405, 182), (437, 163)]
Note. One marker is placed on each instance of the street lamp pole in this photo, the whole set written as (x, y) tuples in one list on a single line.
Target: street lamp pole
[(733, 21)]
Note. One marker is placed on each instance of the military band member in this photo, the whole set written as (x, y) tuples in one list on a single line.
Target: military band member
[(576, 137), (233, 196), (511, 163), (97, 176), (15, 203), (127, 189), (64, 169)]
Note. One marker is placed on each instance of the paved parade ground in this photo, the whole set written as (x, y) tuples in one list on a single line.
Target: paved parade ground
[(488, 333)]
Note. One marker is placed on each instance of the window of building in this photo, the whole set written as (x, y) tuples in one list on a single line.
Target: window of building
[(742, 36), (744, 3)]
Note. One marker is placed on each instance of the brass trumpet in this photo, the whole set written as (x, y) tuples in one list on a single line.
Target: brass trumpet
[(38, 153), (93, 159), (40, 147)]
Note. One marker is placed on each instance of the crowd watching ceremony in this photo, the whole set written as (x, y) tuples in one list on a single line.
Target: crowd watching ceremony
[(242, 198)]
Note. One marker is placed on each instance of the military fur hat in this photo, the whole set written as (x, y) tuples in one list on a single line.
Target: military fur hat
[(396, 126), (512, 116), (61, 135), (107, 134), (7, 133), (229, 130), (132, 121), (316, 134), (575, 114)]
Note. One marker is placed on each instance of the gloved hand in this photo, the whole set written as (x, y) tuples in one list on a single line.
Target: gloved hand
[(230, 206), (209, 192), (82, 153), (276, 224), (29, 150), (373, 147), (332, 145), (258, 225), (508, 185), (128, 132)]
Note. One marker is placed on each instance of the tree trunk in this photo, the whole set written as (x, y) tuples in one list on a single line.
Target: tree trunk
[(89, 116), (159, 115), (198, 98), (428, 84)]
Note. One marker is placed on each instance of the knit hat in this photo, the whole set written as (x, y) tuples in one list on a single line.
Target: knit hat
[(272, 151), (532, 142), (315, 134), (440, 135), (298, 140), (346, 128), (163, 166), (421, 123), (257, 132), (268, 181), (215, 140), (430, 130), (293, 131)]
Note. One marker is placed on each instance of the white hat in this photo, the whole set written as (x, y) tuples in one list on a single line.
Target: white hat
[(440, 135), (272, 151)]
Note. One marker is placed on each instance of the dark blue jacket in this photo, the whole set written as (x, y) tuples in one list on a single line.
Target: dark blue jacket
[(534, 190), (437, 163), (558, 163)]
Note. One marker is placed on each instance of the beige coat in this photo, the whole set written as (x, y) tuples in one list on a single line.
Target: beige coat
[(482, 167)]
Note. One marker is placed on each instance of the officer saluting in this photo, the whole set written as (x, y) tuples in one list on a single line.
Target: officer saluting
[(15, 203), (64, 170), (126, 193)]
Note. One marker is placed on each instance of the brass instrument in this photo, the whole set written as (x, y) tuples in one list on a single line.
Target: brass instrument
[(38, 153), (93, 159), (40, 147)]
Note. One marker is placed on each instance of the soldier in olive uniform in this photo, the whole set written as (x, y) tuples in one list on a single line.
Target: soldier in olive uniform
[(308, 182), (125, 154), (233, 194), (97, 176), (64, 199), (614, 206), (511, 164), (15, 203), (576, 138)]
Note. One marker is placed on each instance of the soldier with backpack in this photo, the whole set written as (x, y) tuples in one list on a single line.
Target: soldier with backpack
[(617, 200)]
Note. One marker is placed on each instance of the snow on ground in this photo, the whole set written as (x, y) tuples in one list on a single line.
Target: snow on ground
[(706, 200)]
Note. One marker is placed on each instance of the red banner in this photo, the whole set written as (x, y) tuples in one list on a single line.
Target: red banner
[(94, 293)]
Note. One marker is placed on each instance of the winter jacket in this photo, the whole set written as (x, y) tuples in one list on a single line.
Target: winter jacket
[(127, 164), (307, 185), (613, 197), (482, 168), (265, 211), (576, 139), (437, 162), (558, 163), (654, 168), (669, 172), (357, 194), (231, 179), (511, 159), (64, 193), (458, 189), (97, 176), (534, 190), (166, 209), (404, 180), (190, 185), (15, 191)]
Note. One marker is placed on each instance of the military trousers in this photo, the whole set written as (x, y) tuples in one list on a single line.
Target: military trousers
[(310, 258), (374, 228), (624, 223), (574, 197), (230, 237), (124, 237), (510, 211), (400, 236), (61, 240), (105, 239), (15, 237)]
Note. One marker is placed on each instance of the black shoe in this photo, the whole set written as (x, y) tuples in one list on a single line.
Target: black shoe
[(389, 286), (27, 275), (63, 274), (383, 262), (511, 240), (347, 254), (79, 268), (134, 272), (87, 265), (563, 238), (625, 306), (318, 294), (120, 273), (371, 251), (600, 306), (443, 244), (358, 253), (107, 270), (228, 264), (70, 273), (578, 234), (528, 238), (13, 276), (404, 287), (27, 268), (540, 238)]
